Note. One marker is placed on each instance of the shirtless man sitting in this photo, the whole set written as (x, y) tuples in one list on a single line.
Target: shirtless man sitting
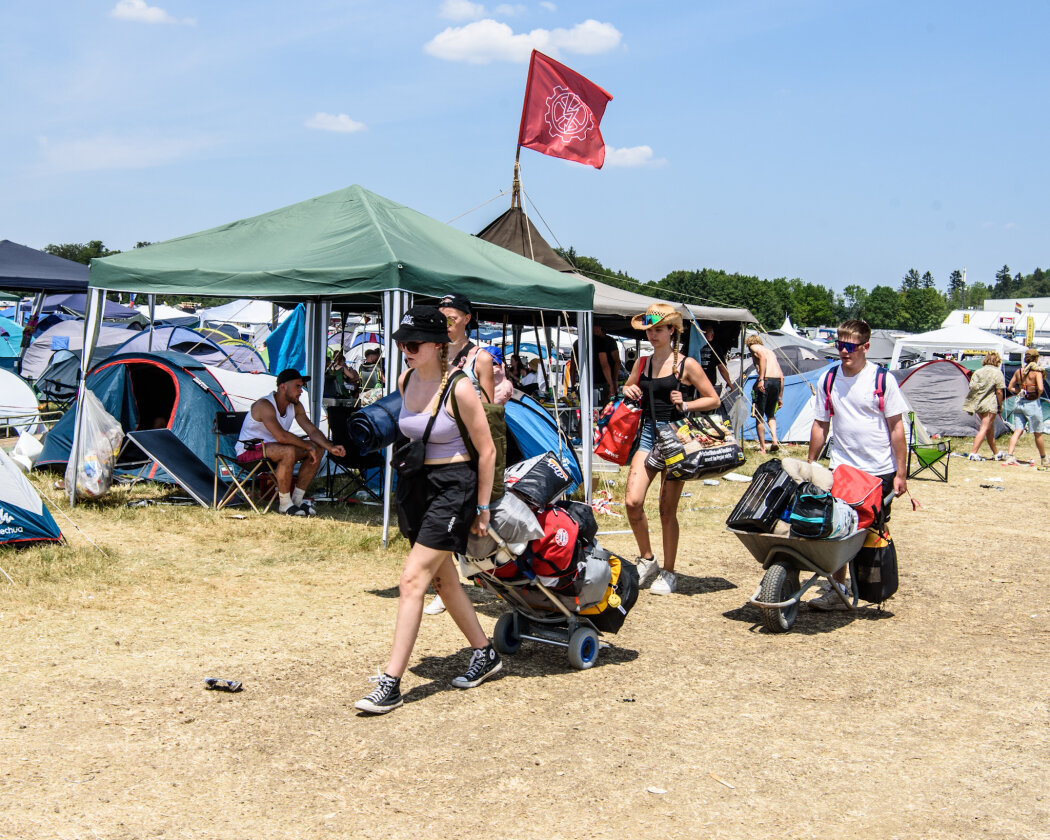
[(766, 393), (268, 422)]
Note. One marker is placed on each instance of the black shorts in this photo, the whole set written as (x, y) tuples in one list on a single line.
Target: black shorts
[(765, 404), (437, 507)]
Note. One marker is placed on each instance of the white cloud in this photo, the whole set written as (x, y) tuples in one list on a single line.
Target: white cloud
[(139, 12), (550, 7), (634, 156), (461, 10), (91, 154), (509, 9), (488, 40), (334, 122)]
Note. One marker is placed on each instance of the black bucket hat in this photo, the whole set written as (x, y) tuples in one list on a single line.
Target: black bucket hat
[(423, 323)]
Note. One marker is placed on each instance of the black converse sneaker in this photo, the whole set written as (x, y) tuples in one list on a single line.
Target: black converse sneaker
[(483, 664), (385, 698)]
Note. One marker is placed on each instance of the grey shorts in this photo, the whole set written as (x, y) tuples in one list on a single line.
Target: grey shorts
[(1030, 411)]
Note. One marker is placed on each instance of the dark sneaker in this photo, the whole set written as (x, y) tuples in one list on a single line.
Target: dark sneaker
[(483, 664), (294, 510), (385, 698)]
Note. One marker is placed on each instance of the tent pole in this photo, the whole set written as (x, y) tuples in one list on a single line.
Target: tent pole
[(93, 306), (152, 299), (738, 417), (395, 304), (584, 332)]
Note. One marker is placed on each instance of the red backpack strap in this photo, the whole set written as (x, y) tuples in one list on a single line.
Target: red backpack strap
[(829, 382)]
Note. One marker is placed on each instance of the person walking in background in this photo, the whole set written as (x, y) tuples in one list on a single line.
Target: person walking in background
[(1027, 384), (711, 360), (867, 429), (985, 399), (658, 382), (441, 506), (765, 396)]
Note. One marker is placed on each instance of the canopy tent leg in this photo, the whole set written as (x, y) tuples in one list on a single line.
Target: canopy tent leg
[(317, 314), (584, 331), (152, 300), (96, 301), (395, 304)]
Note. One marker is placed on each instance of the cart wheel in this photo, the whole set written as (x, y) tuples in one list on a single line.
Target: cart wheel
[(583, 648), (779, 583), (505, 637)]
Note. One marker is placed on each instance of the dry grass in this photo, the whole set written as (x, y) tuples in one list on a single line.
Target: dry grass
[(926, 720)]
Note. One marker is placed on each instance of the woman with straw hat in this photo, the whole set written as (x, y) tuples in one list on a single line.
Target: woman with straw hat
[(657, 381)]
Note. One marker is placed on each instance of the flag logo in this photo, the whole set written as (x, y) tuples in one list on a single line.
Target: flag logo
[(568, 117)]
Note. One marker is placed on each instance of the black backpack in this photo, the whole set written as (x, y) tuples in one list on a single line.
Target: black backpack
[(812, 512)]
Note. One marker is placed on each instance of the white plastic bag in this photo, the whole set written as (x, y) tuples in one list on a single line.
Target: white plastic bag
[(97, 446), (26, 451)]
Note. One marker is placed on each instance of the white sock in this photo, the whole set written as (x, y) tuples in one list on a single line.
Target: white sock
[(297, 496), (284, 501)]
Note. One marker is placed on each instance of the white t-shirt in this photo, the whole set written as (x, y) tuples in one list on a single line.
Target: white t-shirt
[(860, 435)]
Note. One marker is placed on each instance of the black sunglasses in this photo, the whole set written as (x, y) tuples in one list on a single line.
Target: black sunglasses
[(410, 346)]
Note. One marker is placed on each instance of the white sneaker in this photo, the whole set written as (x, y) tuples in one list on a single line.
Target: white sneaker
[(665, 583), (829, 601), (648, 569), (999, 456), (973, 456), (435, 607)]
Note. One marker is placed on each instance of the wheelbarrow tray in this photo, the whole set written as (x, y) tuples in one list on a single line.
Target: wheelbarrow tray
[(827, 556)]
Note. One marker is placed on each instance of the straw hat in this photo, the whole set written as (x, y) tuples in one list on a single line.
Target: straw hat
[(657, 314)]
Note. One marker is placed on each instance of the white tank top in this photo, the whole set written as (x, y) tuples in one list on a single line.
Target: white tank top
[(254, 430)]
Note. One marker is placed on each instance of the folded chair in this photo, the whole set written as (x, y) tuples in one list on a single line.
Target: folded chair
[(349, 474), (928, 454), (255, 482)]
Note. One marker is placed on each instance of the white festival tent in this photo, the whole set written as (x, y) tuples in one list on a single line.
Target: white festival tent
[(959, 339)]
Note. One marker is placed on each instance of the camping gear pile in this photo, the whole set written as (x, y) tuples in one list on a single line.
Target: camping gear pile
[(797, 517), (541, 557)]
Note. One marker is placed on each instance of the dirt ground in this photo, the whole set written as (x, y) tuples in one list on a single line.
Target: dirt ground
[(926, 720)]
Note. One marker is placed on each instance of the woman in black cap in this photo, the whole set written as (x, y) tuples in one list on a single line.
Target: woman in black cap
[(438, 508)]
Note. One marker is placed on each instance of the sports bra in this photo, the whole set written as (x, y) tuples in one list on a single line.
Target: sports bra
[(445, 440)]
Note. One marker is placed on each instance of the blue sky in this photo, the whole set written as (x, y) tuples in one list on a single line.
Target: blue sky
[(837, 141)]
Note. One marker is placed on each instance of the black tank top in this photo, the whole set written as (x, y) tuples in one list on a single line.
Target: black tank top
[(657, 392)]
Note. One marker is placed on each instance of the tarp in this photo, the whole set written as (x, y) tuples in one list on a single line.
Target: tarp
[(350, 243), (244, 311), (935, 391), (24, 269), (286, 345), (190, 342), (18, 404), (169, 315), (10, 337), (24, 518), (957, 339), (68, 335)]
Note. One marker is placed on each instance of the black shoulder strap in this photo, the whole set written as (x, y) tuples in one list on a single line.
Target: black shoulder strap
[(462, 354)]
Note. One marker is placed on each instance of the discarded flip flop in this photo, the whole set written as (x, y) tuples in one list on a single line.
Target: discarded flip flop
[(222, 685)]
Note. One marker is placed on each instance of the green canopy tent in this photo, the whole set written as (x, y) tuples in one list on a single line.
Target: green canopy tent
[(351, 247)]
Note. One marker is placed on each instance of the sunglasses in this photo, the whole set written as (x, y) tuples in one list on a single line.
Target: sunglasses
[(848, 346), (410, 346), (651, 318)]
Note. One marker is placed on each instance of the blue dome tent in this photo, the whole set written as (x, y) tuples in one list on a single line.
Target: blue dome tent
[(24, 519)]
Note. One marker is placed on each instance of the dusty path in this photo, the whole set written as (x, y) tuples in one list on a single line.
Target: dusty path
[(929, 720)]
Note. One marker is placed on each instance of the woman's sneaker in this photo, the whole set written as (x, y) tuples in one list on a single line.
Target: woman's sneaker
[(665, 583), (648, 569), (435, 607), (973, 456), (385, 698), (999, 456), (484, 662)]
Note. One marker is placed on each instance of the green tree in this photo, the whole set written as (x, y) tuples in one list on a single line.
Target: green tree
[(853, 299), (921, 309), (957, 290), (927, 281), (1003, 283), (81, 252), (881, 308), (911, 280)]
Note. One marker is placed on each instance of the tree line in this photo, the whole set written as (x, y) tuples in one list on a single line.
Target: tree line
[(915, 305)]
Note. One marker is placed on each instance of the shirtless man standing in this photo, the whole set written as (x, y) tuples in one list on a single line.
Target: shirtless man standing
[(766, 393)]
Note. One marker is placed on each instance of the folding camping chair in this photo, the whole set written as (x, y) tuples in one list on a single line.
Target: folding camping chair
[(256, 482), (929, 454), (348, 475)]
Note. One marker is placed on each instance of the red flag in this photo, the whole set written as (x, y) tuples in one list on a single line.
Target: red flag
[(562, 113)]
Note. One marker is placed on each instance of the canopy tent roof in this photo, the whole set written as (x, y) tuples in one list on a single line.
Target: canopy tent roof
[(25, 269), (960, 338), (350, 244)]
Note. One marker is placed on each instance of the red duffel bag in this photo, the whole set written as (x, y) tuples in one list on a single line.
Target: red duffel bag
[(859, 490), (615, 434)]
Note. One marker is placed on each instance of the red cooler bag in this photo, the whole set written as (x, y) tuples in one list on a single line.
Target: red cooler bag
[(615, 436), (859, 490)]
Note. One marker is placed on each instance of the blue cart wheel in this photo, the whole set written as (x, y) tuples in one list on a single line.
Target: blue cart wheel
[(505, 637), (583, 648)]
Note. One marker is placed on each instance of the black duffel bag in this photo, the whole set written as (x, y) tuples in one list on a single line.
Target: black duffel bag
[(812, 512)]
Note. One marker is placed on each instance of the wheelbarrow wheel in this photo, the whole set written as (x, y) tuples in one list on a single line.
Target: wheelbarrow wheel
[(583, 648), (506, 638), (779, 584)]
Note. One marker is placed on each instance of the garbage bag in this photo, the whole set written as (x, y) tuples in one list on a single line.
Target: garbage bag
[(90, 471)]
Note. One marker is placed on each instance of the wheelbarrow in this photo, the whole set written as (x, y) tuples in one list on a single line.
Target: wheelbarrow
[(784, 558)]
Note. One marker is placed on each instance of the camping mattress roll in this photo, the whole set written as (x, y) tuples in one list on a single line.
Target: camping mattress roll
[(374, 427)]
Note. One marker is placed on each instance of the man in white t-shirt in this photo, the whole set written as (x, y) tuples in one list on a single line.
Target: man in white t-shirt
[(865, 434)]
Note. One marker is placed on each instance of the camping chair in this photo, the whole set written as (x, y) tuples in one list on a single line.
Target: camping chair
[(348, 475), (929, 454), (256, 482)]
